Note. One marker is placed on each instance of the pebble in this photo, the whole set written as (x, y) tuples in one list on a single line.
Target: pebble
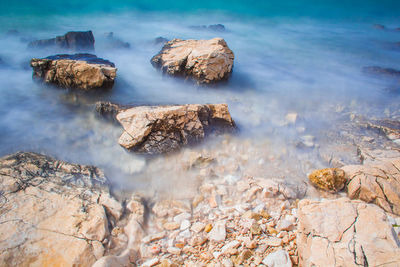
[(278, 258), (284, 225), (197, 227), (151, 262), (182, 216), (174, 250), (171, 226), (208, 228), (255, 229), (154, 237), (218, 232), (273, 242), (230, 246), (185, 224)]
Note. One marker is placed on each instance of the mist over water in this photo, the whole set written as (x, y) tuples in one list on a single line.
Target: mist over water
[(292, 59)]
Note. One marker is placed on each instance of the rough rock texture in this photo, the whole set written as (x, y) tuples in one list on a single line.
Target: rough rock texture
[(81, 71), (52, 213), (377, 183), (345, 232), (76, 41), (166, 128), (329, 179), (206, 61)]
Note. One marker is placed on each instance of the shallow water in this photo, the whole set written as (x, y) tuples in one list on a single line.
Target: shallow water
[(285, 61)]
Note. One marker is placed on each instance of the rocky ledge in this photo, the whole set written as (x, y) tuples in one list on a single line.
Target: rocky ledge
[(76, 41), (207, 61), (80, 71), (53, 212), (161, 129)]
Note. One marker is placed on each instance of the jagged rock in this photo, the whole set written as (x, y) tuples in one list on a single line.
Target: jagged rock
[(49, 212), (115, 43), (329, 179), (81, 71), (76, 41), (213, 27), (379, 71), (345, 232), (108, 110), (206, 61), (166, 128), (377, 183)]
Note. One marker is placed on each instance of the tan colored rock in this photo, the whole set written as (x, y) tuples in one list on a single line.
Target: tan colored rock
[(206, 61), (377, 183), (329, 179), (49, 212), (166, 128), (80, 71), (344, 232)]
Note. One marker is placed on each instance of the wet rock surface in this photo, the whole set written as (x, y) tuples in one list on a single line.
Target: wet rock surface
[(75, 41), (53, 212), (207, 61), (166, 128), (78, 71), (345, 232)]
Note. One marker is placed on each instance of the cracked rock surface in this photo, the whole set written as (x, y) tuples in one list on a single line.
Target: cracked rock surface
[(52, 212), (345, 232), (154, 130), (206, 61), (377, 183), (79, 71)]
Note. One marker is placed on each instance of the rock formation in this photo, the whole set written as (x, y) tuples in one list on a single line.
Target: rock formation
[(76, 41), (80, 71), (53, 212), (345, 232), (166, 128), (206, 61), (377, 183)]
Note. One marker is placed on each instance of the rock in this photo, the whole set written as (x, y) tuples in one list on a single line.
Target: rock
[(389, 128), (197, 227), (154, 237), (329, 179), (344, 232), (108, 110), (171, 226), (113, 42), (377, 183), (207, 61), (49, 212), (226, 249), (208, 228), (185, 224), (291, 118), (383, 72), (288, 189), (182, 217), (160, 40), (284, 225), (80, 71), (151, 262), (164, 129), (218, 232), (273, 242), (174, 250), (76, 41), (279, 258), (255, 229), (378, 26), (213, 27)]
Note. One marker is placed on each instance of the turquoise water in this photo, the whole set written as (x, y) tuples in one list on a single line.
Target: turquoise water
[(290, 56)]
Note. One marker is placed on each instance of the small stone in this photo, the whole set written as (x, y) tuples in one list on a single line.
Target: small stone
[(242, 186), (273, 242), (243, 256), (180, 245), (154, 237), (278, 258), (185, 225), (198, 240), (171, 226), (197, 227), (214, 200), (249, 243), (284, 225), (265, 214), (227, 249), (329, 179), (255, 229), (218, 232), (155, 249), (252, 215), (227, 263), (208, 228), (174, 250), (197, 200), (291, 118), (151, 262), (206, 256), (182, 216)]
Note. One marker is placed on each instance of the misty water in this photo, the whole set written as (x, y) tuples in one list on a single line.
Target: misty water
[(287, 63)]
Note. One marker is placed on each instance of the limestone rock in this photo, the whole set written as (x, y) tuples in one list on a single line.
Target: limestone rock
[(206, 61), (76, 41), (80, 71), (163, 129), (344, 232), (329, 179), (278, 258), (377, 183), (49, 212)]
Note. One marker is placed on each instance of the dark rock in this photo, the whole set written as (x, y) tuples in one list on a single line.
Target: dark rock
[(160, 40), (213, 27), (77, 41), (109, 110), (115, 43), (80, 71), (379, 71), (378, 26)]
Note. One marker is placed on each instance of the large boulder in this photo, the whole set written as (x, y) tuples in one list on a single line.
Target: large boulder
[(76, 41), (345, 232), (160, 129), (80, 71), (52, 212), (206, 61), (377, 183)]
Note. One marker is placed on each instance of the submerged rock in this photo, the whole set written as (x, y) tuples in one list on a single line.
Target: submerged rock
[(384, 72), (81, 71), (76, 41), (213, 27), (389, 128), (115, 43), (50, 211), (378, 26), (166, 128), (329, 179), (377, 183), (206, 61), (345, 232), (160, 40)]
